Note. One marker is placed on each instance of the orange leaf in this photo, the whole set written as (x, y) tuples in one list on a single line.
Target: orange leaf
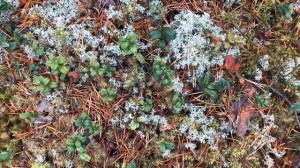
[(74, 75), (229, 62)]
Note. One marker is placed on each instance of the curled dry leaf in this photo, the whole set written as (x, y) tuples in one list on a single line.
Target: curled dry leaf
[(243, 110)]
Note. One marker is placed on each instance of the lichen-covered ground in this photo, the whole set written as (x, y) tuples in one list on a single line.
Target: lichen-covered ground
[(149, 83)]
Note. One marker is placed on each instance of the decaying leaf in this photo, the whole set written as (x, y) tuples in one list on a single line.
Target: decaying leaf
[(43, 106), (243, 110)]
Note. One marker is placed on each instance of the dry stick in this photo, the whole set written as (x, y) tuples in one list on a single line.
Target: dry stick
[(260, 85)]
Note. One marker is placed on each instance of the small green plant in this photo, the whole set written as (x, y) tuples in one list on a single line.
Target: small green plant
[(166, 145), (137, 76), (90, 128), (37, 48), (77, 142), (108, 94), (58, 64), (263, 100), (286, 10), (211, 88), (27, 117), (162, 73), (43, 84), (135, 123), (16, 38), (129, 46), (34, 69), (147, 105), (95, 69), (178, 104), (6, 156), (108, 70), (163, 35)]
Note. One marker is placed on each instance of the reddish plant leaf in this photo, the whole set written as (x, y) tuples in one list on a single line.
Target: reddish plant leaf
[(236, 68), (74, 75), (229, 62)]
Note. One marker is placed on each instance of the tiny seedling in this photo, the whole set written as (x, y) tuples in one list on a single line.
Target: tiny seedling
[(162, 73), (263, 100), (147, 105), (166, 145), (43, 84), (37, 48), (135, 123), (76, 142), (211, 88), (178, 104), (129, 46), (90, 128), (58, 64), (95, 69), (34, 69), (163, 35), (108, 94), (286, 10)]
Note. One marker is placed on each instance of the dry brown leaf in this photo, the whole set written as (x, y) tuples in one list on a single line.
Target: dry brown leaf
[(243, 110)]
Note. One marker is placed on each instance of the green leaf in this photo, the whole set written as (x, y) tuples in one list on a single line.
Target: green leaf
[(296, 107), (140, 57), (62, 59), (12, 46), (156, 34), (124, 45), (85, 157), (3, 38), (70, 142), (133, 48), (52, 85), (288, 15), (134, 125), (5, 156), (64, 69), (39, 51), (162, 147), (131, 165), (170, 145), (170, 32), (162, 44), (290, 7), (211, 93)]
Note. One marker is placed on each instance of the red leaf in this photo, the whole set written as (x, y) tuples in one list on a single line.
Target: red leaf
[(229, 62), (74, 75), (236, 68)]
